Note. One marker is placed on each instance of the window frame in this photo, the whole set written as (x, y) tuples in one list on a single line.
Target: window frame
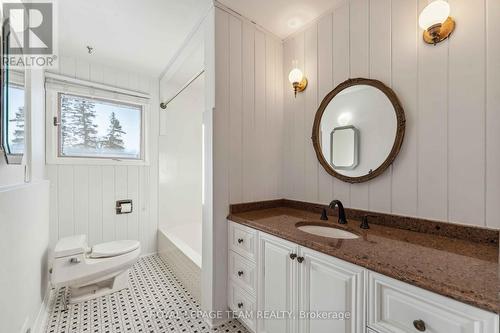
[(53, 155)]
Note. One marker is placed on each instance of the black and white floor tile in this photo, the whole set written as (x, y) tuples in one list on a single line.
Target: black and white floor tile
[(155, 302)]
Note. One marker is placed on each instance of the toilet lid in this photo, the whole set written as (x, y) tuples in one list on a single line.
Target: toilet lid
[(115, 248)]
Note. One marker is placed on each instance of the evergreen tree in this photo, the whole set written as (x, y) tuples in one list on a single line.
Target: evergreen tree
[(82, 124), (67, 119), (19, 131), (113, 140)]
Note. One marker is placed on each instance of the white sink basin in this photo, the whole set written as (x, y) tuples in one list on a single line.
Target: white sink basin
[(330, 232)]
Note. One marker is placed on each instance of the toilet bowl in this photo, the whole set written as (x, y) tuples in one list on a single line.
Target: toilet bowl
[(92, 272)]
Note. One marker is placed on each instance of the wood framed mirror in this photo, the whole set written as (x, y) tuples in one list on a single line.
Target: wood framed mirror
[(358, 130)]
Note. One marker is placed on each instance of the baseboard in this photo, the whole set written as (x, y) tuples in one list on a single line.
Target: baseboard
[(148, 254), (43, 314)]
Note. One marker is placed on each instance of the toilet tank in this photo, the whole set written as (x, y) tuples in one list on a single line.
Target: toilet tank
[(70, 246)]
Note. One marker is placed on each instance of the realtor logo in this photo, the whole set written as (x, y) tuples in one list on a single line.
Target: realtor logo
[(28, 34)]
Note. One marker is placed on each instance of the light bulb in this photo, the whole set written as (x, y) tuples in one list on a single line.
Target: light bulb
[(295, 76), (435, 13)]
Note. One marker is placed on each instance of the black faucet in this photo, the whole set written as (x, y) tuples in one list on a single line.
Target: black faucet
[(342, 218)]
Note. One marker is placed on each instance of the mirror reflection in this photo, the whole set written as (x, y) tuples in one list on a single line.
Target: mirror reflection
[(344, 147), (12, 112), (357, 130)]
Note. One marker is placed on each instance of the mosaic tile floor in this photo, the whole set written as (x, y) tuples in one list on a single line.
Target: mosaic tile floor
[(155, 302)]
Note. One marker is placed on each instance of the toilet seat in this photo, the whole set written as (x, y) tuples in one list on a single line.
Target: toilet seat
[(115, 248)]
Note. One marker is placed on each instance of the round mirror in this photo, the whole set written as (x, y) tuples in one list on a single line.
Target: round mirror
[(358, 130)]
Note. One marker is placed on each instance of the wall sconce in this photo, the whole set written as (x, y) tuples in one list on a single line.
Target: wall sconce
[(436, 21), (298, 81)]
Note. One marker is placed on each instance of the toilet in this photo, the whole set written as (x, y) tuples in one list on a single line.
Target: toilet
[(92, 272)]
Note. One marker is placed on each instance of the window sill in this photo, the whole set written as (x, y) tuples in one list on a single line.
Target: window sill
[(95, 161)]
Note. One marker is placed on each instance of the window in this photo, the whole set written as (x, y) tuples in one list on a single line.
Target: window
[(15, 119), (99, 128)]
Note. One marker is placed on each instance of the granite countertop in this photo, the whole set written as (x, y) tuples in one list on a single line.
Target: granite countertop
[(467, 271)]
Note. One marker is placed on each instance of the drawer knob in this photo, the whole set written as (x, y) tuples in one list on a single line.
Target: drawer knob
[(300, 259), (293, 256), (240, 240), (240, 273), (419, 325), (240, 305)]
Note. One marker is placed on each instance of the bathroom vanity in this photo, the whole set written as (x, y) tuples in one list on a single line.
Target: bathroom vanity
[(393, 277)]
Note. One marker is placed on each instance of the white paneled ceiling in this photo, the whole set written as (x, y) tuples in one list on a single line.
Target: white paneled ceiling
[(281, 17), (140, 35)]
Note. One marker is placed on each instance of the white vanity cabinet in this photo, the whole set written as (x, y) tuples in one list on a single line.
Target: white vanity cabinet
[(287, 286), (396, 307), (277, 284), (333, 289)]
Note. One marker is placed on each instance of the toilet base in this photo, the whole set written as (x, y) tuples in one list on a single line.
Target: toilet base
[(98, 288)]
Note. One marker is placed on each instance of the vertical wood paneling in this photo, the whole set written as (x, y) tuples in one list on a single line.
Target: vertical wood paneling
[(65, 200), (359, 67), (279, 114), (341, 68), (288, 55), (52, 174), (447, 167), (466, 116), (95, 205), (311, 95), (405, 37), (121, 193), (271, 126), (380, 69), (81, 199), (133, 194), (145, 208), (432, 129), (235, 109), (260, 114), (248, 84), (492, 114), (108, 203), (297, 110), (325, 84)]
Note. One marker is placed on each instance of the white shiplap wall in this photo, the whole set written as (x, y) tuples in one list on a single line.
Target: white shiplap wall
[(448, 166), (250, 95), (83, 196), (243, 133)]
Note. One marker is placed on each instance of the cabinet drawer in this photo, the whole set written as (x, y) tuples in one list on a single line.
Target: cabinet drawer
[(397, 307), (243, 240), (243, 272), (243, 305)]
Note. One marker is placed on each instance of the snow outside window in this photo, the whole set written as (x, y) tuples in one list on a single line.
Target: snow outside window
[(99, 128), (91, 123)]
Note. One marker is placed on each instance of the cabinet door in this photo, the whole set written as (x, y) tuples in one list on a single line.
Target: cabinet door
[(331, 294), (397, 307), (277, 285)]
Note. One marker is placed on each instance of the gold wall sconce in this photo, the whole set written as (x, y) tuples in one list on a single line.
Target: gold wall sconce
[(298, 81), (436, 21)]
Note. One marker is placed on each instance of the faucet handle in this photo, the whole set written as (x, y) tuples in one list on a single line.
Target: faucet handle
[(364, 221), (324, 216)]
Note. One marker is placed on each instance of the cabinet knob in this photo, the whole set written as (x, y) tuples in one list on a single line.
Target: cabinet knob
[(240, 240), (240, 305), (240, 273), (300, 259), (293, 256), (419, 325)]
